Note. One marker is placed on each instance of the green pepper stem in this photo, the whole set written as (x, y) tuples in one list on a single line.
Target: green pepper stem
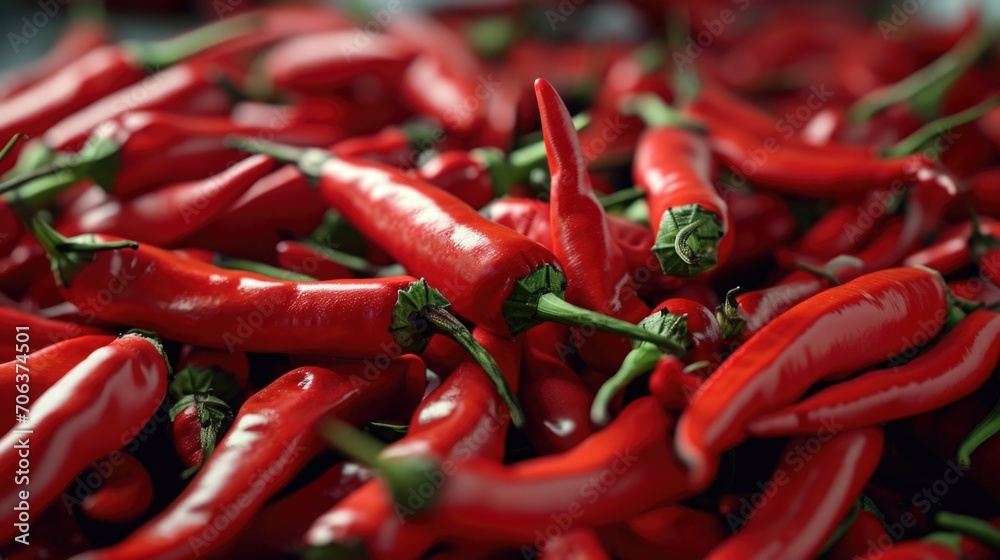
[(167, 52), (53, 168), (348, 260), (656, 113), (971, 526), (640, 361), (262, 269), (551, 307), (621, 197), (982, 432), (68, 256), (687, 240), (309, 160), (445, 323), (10, 145), (924, 134), (932, 81)]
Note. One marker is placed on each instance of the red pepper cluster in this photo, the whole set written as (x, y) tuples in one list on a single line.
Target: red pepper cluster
[(744, 305)]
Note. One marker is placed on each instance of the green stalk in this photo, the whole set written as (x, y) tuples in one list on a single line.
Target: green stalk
[(69, 256), (978, 436), (976, 528), (924, 134), (167, 52), (262, 269)]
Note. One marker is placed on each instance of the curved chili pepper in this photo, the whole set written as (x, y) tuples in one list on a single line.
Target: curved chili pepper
[(321, 62), (119, 387), (171, 213), (556, 403), (876, 316), (681, 319), (231, 309), (843, 229), (575, 544), (44, 367), (595, 268), (495, 277), (673, 165), (813, 492), (952, 251), (461, 174), (44, 332), (955, 367), (125, 494), (975, 290), (271, 440), (865, 532), (459, 421), (671, 385)]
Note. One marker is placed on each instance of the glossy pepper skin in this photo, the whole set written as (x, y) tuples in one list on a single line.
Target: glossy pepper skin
[(595, 268), (670, 385), (273, 433), (575, 544), (875, 316), (125, 494), (956, 366), (693, 229), (675, 530), (308, 258), (813, 496), (460, 420), (461, 174), (865, 534), (44, 367), (44, 332), (83, 417), (953, 249)]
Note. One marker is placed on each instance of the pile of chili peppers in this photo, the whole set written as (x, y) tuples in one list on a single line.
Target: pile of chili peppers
[(504, 280)]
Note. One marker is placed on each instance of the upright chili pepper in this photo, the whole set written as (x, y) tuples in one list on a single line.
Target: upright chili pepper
[(496, 277), (814, 491), (44, 332), (598, 276), (680, 319), (875, 316), (80, 419), (956, 366), (556, 403), (273, 434), (673, 165), (257, 314), (44, 368), (461, 420), (125, 494)]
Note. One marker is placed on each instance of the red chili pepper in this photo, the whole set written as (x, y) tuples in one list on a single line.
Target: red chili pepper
[(309, 258), (86, 31), (80, 420), (171, 213), (321, 62), (671, 385), (273, 434), (764, 222), (125, 493), (976, 290), (813, 491), (876, 316), (956, 366), (460, 420), (461, 174), (595, 268), (842, 230), (673, 165), (952, 252), (43, 367), (501, 125), (202, 304), (984, 191), (556, 403), (502, 280), (22, 266), (681, 532), (920, 550), (575, 544), (44, 332), (865, 535)]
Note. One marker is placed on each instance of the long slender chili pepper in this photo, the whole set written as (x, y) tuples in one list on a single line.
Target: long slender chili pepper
[(171, 213), (843, 229), (955, 367), (673, 164), (811, 498), (556, 403), (503, 281), (273, 434), (80, 419), (461, 420), (86, 30), (876, 316), (596, 271), (125, 494), (44, 367), (257, 314), (681, 319), (321, 62), (44, 332)]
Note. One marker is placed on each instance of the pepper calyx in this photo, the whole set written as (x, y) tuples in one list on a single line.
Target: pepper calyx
[(521, 308), (69, 256), (687, 240)]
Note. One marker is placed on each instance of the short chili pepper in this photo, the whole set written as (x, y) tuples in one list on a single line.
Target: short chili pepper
[(673, 165), (954, 367), (683, 320), (257, 314), (876, 316), (813, 492), (556, 402), (169, 214), (43, 367), (495, 277), (595, 268), (273, 434), (201, 412), (126, 493), (81, 419), (460, 420), (44, 332)]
